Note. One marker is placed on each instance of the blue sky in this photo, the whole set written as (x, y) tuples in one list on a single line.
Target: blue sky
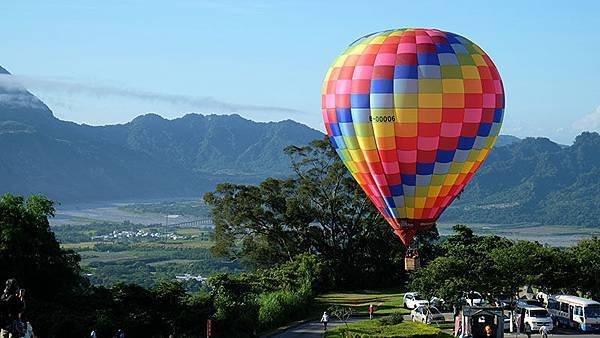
[(100, 62)]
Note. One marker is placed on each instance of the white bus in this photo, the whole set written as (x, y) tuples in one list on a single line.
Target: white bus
[(580, 313)]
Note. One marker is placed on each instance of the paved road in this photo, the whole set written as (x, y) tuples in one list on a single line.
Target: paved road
[(312, 329)]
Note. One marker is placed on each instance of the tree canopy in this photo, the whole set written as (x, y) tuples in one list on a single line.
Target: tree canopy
[(319, 210), (498, 267), (29, 251)]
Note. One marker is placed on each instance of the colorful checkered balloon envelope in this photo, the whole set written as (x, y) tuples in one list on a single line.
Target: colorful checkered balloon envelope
[(413, 113)]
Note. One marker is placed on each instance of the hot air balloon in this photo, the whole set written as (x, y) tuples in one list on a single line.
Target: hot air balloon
[(412, 113)]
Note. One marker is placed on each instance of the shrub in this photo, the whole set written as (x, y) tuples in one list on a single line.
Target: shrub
[(393, 319), (342, 313), (279, 307)]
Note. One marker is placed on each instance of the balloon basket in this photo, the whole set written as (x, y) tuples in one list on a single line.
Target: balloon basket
[(411, 263)]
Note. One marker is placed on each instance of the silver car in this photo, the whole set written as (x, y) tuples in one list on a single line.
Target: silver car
[(427, 314)]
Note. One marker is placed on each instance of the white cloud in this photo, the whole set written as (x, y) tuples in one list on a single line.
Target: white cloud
[(20, 100), (100, 104), (98, 91), (588, 122), (13, 93)]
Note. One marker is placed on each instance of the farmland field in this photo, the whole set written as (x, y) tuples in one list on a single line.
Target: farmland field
[(113, 249), (140, 242), (555, 235)]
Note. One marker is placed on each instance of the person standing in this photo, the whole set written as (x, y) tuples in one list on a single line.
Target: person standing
[(544, 331), (25, 329), (371, 311), (325, 320), (489, 331), (528, 331), (28, 330), (457, 322), (12, 304)]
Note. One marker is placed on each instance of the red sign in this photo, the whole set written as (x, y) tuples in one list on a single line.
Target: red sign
[(209, 327)]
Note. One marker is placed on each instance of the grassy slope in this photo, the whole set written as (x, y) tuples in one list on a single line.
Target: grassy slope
[(384, 301)]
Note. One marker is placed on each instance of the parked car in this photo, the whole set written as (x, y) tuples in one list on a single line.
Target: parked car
[(412, 300), (533, 302), (427, 314), (473, 298), (437, 302), (506, 302)]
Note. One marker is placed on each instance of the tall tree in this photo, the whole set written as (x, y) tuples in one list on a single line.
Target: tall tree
[(529, 263), (463, 264), (320, 210), (261, 225), (586, 258), (29, 251), (355, 240), (498, 267)]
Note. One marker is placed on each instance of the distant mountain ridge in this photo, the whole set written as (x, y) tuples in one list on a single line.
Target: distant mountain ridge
[(505, 140), (149, 157), (532, 180), (535, 181)]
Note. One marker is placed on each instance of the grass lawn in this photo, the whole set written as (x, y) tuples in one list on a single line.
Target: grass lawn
[(374, 328), (107, 257), (80, 245), (189, 231), (384, 301), (174, 261)]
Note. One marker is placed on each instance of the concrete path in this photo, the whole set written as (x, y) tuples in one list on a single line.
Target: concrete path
[(312, 329)]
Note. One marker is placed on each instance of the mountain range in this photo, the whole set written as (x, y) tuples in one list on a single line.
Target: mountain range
[(149, 157), (532, 180), (535, 181)]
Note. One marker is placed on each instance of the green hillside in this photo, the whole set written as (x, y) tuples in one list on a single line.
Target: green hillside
[(535, 181), (145, 158)]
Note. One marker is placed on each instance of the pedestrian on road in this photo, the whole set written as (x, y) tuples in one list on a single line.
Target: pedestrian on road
[(544, 331), (325, 320), (371, 311), (528, 331)]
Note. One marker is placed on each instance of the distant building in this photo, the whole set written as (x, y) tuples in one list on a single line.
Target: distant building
[(187, 277)]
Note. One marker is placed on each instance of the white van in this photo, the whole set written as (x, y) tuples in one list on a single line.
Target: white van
[(580, 313), (533, 317), (412, 300)]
